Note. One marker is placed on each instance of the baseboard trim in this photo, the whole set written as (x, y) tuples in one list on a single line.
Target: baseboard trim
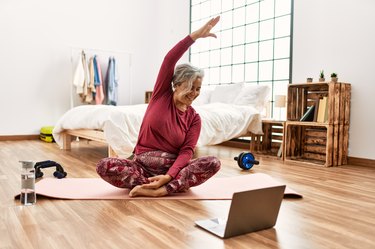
[(351, 160), (18, 137), (361, 161)]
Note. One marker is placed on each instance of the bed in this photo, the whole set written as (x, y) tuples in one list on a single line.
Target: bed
[(227, 112)]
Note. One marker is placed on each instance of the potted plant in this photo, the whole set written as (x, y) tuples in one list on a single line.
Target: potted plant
[(309, 80), (334, 77), (321, 76)]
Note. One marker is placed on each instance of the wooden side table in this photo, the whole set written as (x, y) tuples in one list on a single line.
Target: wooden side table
[(271, 143), (148, 96)]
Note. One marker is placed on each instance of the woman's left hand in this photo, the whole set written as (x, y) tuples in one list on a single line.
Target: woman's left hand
[(205, 30), (157, 181)]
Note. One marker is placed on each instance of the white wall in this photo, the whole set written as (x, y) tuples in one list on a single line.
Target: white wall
[(36, 43), (338, 36)]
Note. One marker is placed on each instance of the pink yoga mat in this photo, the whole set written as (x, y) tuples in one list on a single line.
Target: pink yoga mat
[(213, 189)]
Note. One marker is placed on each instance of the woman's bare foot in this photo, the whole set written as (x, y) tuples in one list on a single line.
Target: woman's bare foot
[(142, 191)]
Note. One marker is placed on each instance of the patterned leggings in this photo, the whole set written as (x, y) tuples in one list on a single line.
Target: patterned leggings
[(125, 173)]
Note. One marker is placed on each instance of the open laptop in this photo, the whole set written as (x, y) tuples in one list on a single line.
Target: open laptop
[(249, 211)]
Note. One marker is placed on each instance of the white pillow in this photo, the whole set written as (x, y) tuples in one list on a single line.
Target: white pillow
[(204, 96), (226, 93), (253, 95)]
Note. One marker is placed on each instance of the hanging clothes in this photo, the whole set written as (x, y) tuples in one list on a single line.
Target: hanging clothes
[(105, 82), (79, 74), (86, 75), (91, 86), (98, 82), (112, 82)]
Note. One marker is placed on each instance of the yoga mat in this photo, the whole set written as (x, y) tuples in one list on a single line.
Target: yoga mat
[(212, 189)]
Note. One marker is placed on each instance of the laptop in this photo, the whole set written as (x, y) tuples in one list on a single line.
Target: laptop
[(250, 211)]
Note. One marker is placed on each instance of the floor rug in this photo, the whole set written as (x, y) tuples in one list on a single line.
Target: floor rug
[(213, 189)]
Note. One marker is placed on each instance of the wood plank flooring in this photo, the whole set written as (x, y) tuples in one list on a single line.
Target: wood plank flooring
[(337, 211)]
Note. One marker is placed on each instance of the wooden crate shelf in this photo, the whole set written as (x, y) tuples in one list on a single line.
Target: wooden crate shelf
[(308, 143), (302, 96), (323, 143)]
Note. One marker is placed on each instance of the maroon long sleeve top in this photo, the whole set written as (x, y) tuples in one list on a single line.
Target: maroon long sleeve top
[(164, 127)]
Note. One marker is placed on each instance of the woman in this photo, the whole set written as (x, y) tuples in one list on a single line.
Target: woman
[(169, 132)]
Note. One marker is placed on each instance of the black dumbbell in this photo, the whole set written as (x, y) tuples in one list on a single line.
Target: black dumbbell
[(59, 173), (246, 160)]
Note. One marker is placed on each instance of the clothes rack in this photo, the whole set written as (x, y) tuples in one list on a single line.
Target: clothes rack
[(123, 61)]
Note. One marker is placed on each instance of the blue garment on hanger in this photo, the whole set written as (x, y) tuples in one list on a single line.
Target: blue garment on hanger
[(112, 84), (96, 72)]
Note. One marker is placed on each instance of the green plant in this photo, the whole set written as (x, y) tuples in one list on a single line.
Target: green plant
[(333, 74), (321, 74)]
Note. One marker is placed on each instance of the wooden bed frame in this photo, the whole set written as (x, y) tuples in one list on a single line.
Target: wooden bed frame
[(98, 136), (94, 135)]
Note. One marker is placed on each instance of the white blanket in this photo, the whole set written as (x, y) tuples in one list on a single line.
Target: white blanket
[(220, 122)]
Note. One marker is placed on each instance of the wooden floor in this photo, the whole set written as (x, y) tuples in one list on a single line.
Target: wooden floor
[(337, 211)]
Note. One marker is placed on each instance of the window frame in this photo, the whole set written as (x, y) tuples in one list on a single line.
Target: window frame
[(261, 62)]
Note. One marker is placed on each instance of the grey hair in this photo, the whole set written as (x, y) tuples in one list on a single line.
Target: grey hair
[(186, 73)]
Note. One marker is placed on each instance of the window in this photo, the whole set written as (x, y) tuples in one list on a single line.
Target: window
[(253, 45)]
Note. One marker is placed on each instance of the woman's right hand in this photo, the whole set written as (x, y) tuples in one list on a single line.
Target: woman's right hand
[(157, 181), (205, 30)]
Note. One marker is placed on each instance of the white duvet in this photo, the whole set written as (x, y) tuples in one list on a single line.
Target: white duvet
[(220, 122)]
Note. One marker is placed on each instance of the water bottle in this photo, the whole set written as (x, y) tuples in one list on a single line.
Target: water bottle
[(28, 195)]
